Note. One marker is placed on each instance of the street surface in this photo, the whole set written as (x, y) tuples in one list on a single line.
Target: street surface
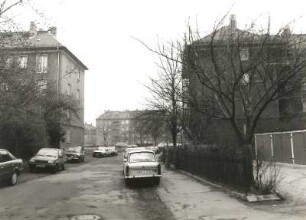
[(97, 187)]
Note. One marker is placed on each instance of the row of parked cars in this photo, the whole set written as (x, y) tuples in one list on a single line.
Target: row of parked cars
[(46, 158)]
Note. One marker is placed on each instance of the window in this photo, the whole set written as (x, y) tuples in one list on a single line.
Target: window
[(5, 158), (42, 84), (4, 87), (23, 62), (244, 54), (78, 95), (42, 63), (9, 62), (245, 80), (68, 114), (69, 89), (78, 75), (68, 136)]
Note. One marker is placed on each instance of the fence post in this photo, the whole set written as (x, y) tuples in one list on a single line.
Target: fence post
[(271, 145), (292, 149)]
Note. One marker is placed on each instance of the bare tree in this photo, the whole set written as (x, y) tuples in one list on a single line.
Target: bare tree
[(151, 123), (239, 77), (166, 89)]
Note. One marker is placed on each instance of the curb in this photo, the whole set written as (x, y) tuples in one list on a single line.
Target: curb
[(251, 198)]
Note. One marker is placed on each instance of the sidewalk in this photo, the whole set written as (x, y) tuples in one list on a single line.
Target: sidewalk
[(189, 199), (292, 183)]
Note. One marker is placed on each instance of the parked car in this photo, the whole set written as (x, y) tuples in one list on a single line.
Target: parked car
[(48, 158), (105, 152), (10, 167), (127, 150), (153, 148), (75, 154), (141, 164)]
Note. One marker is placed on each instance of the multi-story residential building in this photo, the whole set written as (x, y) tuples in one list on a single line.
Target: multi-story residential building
[(114, 127), (231, 74), (55, 67), (89, 135)]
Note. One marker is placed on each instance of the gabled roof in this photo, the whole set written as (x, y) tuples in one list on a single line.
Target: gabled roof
[(225, 33), (118, 114), (39, 40)]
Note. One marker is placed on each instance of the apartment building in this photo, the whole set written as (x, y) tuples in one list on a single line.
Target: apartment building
[(56, 68)]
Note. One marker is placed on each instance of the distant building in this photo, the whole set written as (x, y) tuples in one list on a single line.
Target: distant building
[(56, 68), (115, 127), (89, 135)]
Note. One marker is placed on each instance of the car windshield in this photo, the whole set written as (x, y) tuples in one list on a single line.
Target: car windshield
[(73, 150), (47, 153), (141, 157)]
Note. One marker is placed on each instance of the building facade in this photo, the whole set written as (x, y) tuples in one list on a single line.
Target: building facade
[(235, 74), (89, 135), (56, 68), (115, 127)]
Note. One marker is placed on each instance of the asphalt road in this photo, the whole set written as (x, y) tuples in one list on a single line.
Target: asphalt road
[(97, 187)]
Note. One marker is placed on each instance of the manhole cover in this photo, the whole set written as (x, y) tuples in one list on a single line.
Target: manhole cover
[(86, 217)]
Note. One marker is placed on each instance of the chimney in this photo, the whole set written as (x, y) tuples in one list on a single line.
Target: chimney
[(233, 22), (52, 30), (33, 29), (286, 31)]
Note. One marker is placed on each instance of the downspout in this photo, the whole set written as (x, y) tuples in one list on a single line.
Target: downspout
[(58, 87), (58, 73)]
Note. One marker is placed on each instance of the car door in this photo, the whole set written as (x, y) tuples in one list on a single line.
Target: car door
[(7, 166), (2, 171)]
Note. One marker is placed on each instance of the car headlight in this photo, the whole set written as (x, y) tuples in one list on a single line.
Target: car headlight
[(51, 161), (32, 160)]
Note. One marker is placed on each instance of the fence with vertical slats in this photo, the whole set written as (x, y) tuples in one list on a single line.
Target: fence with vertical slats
[(285, 147)]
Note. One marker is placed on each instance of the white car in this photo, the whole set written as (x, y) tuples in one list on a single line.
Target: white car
[(141, 164), (105, 152)]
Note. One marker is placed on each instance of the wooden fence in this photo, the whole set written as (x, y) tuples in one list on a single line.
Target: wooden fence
[(285, 147)]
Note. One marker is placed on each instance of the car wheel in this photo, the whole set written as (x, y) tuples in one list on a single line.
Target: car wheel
[(127, 182), (55, 168), (13, 179), (31, 168), (156, 181)]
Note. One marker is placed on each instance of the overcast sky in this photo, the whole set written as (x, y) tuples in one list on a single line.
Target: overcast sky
[(100, 33)]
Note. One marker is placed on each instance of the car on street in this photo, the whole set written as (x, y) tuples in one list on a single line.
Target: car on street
[(48, 158), (140, 165), (129, 149), (10, 167), (75, 154), (153, 148), (105, 152)]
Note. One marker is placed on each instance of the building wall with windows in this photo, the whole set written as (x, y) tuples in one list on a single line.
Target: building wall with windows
[(56, 68), (114, 127), (199, 53)]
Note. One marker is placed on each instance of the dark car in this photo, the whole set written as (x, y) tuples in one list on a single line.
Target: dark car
[(48, 158), (10, 167), (75, 154)]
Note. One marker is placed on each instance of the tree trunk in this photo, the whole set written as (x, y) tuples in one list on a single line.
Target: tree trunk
[(248, 166)]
